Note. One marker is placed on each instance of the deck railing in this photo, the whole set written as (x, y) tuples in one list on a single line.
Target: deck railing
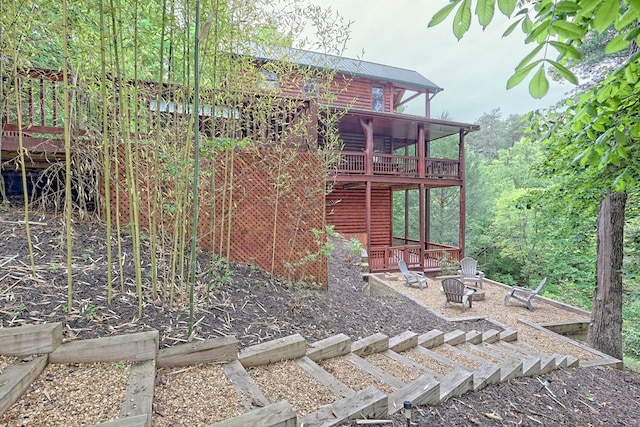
[(382, 258), (354, 163)]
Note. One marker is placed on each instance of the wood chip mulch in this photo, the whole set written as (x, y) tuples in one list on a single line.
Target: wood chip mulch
[(71, 394), (193, 396), (288, 381)]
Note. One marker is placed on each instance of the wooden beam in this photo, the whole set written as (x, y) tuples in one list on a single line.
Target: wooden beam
[(250, 394), (131, 347), (279, 414), (17, 378), (420, 391), (212, 350), (431, 339), (487, 374), (463, 196), (490, 336), (286, 348), (140, 388), (334, 346), (456, 383), (455, 337), (404, 341), (367, 403), (376, 343), (30, 339)]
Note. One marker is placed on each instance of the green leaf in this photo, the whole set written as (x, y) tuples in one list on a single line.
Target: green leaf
[(616, 44), (606, 14), (539, 85), (484, 11), (629, 17), (564, 72), (568, 30), (462, 19), (442, 14), (588, 6), (566, 50), (567, 6), (530, 56), (541, 28), (635, 4), (507, 6), (604, 137), (511, 28), (520, 74), (527, 25)]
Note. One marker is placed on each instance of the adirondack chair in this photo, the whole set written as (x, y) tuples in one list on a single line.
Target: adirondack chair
[(524, 295), (455, 291), (412, 277), (469, 271)]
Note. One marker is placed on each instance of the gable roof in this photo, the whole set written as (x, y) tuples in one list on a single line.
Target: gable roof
[(349, 66)]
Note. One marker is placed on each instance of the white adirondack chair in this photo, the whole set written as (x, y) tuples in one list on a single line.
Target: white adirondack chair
[(469, 271), (455, 291), (525, 295), (412, 277)]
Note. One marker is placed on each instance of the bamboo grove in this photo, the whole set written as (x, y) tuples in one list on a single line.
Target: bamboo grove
[(155, 98)]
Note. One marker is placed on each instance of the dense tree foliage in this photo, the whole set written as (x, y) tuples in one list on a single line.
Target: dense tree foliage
[(593, 136)]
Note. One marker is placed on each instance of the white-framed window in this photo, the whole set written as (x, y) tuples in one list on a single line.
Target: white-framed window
[(377, 98), (310, 87), (268, 80)]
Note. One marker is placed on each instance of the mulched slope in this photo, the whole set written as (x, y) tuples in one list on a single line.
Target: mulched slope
[(254, 308), (574, 397)]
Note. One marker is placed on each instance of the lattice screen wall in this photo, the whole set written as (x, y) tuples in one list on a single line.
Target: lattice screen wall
[(253, 193)]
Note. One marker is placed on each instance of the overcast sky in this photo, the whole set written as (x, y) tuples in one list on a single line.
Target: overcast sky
[(473, 71)]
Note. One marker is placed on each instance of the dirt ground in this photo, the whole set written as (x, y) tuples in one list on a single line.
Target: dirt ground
[(257, 308)]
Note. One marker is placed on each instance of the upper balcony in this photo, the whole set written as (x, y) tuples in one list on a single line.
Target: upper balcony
[(358, 163)]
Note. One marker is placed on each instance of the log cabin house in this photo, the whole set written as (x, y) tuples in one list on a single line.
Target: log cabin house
[(387, 151), (384, 152)]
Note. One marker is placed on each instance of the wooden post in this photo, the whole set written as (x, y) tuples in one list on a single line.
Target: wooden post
[(367, 127), (427, 200), (367, 207), (420, 152), (463, 223), (421, 224), (406, 216)]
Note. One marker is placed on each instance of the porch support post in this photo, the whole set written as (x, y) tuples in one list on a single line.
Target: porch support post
[(427, 191), (463, 195), (427, 215), (406, 215), (367, 128), (422, 223), (367, 208), (421, 151)]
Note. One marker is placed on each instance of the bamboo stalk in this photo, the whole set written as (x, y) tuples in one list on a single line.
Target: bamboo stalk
[(67, 156), (196, 169), (23, 170), (106, 151)]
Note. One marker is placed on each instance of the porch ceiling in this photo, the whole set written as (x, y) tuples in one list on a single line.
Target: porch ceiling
[(402, 126)]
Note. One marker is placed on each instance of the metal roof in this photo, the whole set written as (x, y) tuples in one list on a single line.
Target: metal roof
[(355, 67)]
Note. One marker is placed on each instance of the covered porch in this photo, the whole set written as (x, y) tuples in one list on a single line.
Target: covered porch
[(385, 174)]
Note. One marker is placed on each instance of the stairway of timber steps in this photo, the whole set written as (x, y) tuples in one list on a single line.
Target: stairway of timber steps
[(369, 378)]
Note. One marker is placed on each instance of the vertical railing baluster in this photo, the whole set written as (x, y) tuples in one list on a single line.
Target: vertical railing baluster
[(43, 120), (54, 89)]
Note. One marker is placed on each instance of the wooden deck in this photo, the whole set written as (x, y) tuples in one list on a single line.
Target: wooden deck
[(354, 163), (386, 258)]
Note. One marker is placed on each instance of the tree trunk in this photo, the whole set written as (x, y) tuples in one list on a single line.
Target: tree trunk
[(605, 329)]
